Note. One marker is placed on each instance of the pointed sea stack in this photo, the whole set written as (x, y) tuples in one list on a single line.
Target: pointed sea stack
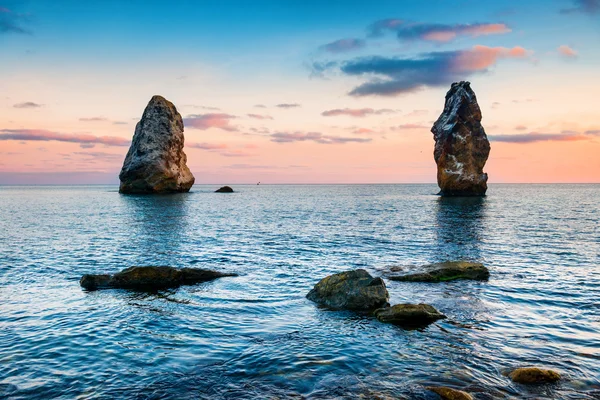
[(461, 145), (155, 162)]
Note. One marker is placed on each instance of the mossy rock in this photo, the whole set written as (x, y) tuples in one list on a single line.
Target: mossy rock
[(350, 290), (447, 393), (409, 315), (533, 375), (445, 271), (150, 278)]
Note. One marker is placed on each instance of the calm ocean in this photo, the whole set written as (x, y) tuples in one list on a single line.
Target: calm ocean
[(256, 336)]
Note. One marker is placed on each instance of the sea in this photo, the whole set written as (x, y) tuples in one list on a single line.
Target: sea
[(256, 336)]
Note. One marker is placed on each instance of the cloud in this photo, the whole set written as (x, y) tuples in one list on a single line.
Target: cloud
[(27, 104), (93, 119), (120, 123), (259, 116), (85, 140), (533, 137), (236, 153), (378, 28), (394, 76), (288, 105), (317, 137), (404, 127), (202, 107), (99, 155), (363, 131), (207, 121), (11, 22), (344, 45), (591, 7), (521, 128), (206, 146), (356, 112), (260, 106), (435, 32), (567, 51)]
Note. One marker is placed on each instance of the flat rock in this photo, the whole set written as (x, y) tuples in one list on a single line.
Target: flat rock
[(445, 271), (150, 278), (350, 290), (533, 375), (224, 189), (447, 393), (155, 162), (461, 145), (409, 314)]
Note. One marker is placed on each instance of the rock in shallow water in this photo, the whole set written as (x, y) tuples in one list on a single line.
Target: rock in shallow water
[(532, 375), (351, 290), (150, 278), (461, 145), (447, 393), (224, 189), (445, 271), (409, 314), (155, 162)]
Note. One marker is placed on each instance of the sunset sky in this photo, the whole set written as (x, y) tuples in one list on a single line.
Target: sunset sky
[(298, 91)]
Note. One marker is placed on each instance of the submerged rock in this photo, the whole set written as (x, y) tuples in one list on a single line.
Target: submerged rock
[(445, 271), (447, 393), (224, 189), (150, 278), (155, 162), (461, 145), (532, 375), (350, 290), (409, 314)]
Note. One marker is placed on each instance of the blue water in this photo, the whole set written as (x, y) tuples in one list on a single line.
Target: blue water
[(256, 336)]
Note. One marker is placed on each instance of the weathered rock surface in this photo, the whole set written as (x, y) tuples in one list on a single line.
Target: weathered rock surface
[(532, 375), (155, 162), (350, 290), (409, 314), (224, 189), (150, 278), (461, 145), (447, 393), (445, 271)]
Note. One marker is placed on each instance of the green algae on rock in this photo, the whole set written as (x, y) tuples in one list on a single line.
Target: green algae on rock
[(350, 290), (445, 271), (447, 393), (150, 278), (533, 375), (409, 314)]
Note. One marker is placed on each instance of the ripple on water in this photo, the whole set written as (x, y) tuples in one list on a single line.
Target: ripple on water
[(255, 335)]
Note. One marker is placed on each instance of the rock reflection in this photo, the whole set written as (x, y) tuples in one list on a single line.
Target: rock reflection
[(156, 224), (460, 222)]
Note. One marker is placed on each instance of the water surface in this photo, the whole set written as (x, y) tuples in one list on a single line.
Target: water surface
[(256, 335)]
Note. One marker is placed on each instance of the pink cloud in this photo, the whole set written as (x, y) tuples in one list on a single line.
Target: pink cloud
[(85, 140), (567, 51), (259, 116), (480, 57), (521, 128), (363, 131), (408, 126), (212, 120), (206, 146), (356, 112)]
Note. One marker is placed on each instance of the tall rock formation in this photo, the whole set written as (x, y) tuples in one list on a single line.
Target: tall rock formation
[(155, 162), (461, 145)]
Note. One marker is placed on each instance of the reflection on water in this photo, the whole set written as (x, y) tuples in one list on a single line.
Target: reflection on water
[(256, 335), (156, 223), (460, 223)]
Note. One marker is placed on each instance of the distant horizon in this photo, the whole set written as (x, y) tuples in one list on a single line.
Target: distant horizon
[(297, 93)]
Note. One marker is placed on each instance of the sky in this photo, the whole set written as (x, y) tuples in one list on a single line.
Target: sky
[(298, 91)]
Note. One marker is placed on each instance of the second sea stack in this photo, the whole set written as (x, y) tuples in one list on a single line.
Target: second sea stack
[(155, 162), (461, 145)]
